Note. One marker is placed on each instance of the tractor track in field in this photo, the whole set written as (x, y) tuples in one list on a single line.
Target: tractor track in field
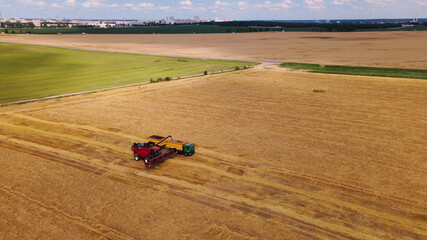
[(39, 137), (182, 189), (76, 133), (256, 186), (93, 228)]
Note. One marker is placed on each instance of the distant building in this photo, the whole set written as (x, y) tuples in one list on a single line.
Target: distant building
[(37, 23), (99, 23), (222, 20), (170, 20)]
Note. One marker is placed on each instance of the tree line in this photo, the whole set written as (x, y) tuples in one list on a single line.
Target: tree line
[(322, 27), (16, 25)]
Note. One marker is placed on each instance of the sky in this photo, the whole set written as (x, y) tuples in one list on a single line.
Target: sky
[(211, 9)]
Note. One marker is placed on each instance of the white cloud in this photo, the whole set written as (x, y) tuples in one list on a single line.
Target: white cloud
[(92, 3), (219, 6), (186, 3), (284, 4), (98, 4), (39, 4), (56, 5), (145, 6), (34, 3), (201, 9), (70, 3), (266, 4), (340, 2), (243, 5), (275, 6), (4, 5), (381, 2), (314, 4), (140, 6), (422, 3), (219, 3), (164, 7), (67, 3)]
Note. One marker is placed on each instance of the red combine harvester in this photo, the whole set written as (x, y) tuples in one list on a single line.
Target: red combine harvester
[(158, 148)]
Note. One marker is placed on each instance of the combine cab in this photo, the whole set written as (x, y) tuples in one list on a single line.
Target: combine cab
[(158, 148)]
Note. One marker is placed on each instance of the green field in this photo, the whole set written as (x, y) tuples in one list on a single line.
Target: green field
[(363, 71), (29, 71)]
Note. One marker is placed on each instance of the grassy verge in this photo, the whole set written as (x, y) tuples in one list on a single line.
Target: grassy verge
[(363, 71), (28, 71)]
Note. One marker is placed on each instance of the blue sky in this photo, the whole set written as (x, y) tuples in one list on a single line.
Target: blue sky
[(223, 9)]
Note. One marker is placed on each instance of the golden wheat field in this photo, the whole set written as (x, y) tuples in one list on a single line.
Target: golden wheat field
[(274, 160), (375, 49)]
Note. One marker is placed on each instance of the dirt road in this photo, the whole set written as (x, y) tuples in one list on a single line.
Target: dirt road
[(375, 49), (274, 160)]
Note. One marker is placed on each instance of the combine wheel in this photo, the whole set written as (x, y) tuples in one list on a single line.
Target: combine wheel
[(189, 153), (147, 161)]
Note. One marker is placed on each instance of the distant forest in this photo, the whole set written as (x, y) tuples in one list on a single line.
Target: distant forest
[(213, 27), (316, 27)]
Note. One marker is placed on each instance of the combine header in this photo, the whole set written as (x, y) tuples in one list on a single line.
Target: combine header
[(158, 148)]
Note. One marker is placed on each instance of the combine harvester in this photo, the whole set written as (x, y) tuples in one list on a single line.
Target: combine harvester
[(152, 152)]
